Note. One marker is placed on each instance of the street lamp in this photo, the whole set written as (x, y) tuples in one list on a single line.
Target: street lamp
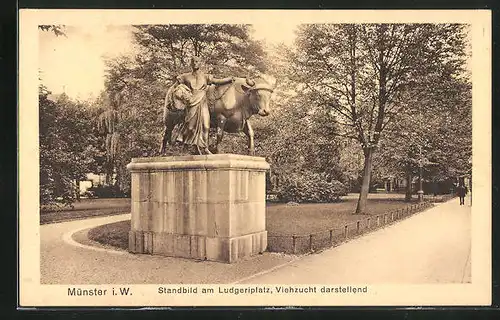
[(420, 191), (470, 180)]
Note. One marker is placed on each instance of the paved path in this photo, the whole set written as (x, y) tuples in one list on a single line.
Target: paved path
[(428, 247), (63, 261)]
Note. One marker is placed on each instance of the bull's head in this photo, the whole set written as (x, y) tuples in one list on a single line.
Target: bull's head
[(259, 91)]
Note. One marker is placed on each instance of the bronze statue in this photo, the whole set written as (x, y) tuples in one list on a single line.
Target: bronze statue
[(230, 106), (195, 128)]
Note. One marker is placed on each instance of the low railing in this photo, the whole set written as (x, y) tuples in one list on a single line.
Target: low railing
[(304, 243)]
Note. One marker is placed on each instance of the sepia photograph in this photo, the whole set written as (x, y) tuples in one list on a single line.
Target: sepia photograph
[(254, 157)]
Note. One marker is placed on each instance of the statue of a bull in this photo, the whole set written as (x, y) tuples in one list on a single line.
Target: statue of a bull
[(231, 106)]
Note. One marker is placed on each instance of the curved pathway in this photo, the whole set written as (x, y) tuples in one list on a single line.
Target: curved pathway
[(65, 261), (429, 247)]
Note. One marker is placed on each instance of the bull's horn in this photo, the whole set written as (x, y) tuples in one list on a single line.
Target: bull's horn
[(250, 82), (264, 85)]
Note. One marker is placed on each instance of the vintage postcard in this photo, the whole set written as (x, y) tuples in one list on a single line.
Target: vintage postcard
[(254, 158)]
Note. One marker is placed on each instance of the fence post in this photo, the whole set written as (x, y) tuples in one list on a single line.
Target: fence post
[(378, 221), (368, 223), (357, 227), (346, 232), (331, 237), (310, 242), (392, 216), (294, 245)]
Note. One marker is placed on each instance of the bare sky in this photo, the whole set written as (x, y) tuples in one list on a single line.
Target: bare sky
[(75, 64), (275, 33)]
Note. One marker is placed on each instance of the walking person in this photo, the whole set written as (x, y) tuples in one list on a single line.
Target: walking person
[(461, 192)]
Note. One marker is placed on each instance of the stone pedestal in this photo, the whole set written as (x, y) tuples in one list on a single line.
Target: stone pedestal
[(202, 207)]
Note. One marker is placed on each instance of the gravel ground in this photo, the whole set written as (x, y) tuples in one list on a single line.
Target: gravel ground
[(64, 263)]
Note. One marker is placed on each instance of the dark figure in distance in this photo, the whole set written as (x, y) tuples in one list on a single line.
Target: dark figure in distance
[(461, 192)]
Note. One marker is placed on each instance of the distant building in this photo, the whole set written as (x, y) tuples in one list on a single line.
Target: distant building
[(398, 185), (93, 180)]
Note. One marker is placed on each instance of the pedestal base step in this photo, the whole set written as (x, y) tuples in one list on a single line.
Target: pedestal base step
[(220, 249)]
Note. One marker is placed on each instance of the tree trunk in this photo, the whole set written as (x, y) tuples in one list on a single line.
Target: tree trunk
[(408, 187), (365, 185), (109, 174), (77, 193)]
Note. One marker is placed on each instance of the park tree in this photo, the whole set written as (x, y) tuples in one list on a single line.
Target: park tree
[(58, 30), (362, 74), (67, 143), (107, 122), (438, 137), (225, 48), (307, 162)]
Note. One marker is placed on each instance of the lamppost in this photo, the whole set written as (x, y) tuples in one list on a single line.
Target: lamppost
[(470, 180), (420, 191)]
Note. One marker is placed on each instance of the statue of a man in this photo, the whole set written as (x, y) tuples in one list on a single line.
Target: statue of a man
[(195, 129)]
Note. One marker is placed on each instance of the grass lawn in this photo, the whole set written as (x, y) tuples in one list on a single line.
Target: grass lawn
[(281, 219), (284, 219), (87, 208), (112, 234), (87, 204)]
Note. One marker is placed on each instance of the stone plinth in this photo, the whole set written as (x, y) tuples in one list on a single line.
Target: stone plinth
[(202, 207)]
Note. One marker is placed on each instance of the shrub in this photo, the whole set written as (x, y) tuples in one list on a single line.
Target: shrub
[(309, 187), (107, 192)]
